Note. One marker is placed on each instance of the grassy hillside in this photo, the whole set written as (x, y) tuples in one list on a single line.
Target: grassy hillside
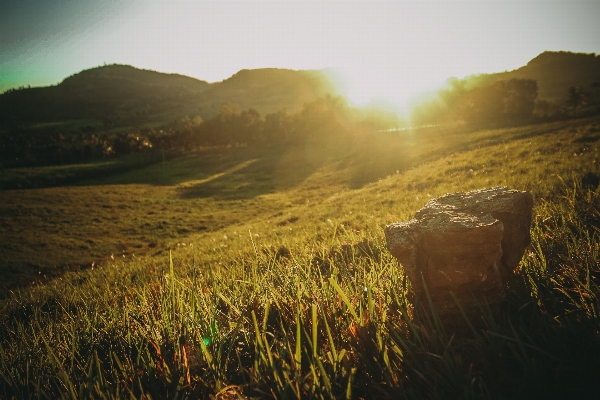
[(265, 274)]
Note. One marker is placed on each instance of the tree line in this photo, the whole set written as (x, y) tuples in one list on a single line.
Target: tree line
[(324, 118), (503, 103)]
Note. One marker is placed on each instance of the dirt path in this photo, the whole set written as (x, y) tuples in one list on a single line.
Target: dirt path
[(216, 176)]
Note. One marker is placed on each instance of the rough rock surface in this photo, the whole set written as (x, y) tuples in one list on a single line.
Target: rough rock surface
[(464, 243)]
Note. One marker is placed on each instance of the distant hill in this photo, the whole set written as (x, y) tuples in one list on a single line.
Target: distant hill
[(555, 72), (105, 94), (270, 89), (115, 96), (121, 95)]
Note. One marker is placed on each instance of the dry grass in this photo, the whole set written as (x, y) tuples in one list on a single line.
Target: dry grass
[(289, 291)]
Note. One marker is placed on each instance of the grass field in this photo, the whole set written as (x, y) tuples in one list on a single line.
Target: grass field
[(265, 274), (69, 174)]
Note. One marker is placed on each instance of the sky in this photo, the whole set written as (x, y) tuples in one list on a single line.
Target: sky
[(383, 51)]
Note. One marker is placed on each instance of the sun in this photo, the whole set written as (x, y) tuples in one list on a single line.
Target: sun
[(397, 85)]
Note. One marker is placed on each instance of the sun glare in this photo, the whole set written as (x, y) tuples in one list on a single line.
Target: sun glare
[(384, 51), (364, 85), (379, 57)]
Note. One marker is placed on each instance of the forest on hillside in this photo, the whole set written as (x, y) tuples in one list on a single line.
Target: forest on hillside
[(322, 118), (553, 85), (120, 96), (504, 103), (499, 104), (117, 110)]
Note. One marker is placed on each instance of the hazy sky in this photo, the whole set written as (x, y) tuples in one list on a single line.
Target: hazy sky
[(385, 50)]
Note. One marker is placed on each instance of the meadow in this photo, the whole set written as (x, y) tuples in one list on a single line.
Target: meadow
[(258, 273)]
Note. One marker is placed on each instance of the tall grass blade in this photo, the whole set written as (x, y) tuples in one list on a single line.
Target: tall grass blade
[(345, 298), (314, 323)]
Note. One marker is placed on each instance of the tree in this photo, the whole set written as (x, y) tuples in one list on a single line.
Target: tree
[(501, 103), (519, 99), (324, 117), (249, 127), (277, 127), (577, 98)]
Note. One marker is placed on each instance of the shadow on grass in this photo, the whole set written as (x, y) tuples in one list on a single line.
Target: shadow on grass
[(191, 167), (272, 170), (376, 158), (72, 174)]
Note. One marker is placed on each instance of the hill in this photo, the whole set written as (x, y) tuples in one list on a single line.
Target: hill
[(552, 86), (107, 95), (247, 274), (269, 89), (174, 198), (114, 96), (555, 72)]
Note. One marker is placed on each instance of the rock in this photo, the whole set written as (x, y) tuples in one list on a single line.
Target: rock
[(464, 243)]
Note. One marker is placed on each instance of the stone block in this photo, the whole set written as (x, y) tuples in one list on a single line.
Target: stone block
[(464, 243)]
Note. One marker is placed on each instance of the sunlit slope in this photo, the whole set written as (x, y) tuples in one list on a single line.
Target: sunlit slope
[(200, 198)]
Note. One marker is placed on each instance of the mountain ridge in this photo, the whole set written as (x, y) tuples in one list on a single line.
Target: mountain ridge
[(118, 95), (554, 71), (122, 95)]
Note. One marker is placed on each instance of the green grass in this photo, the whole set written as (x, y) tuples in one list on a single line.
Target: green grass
[(69, 174), (65, 125), (289, 291)]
